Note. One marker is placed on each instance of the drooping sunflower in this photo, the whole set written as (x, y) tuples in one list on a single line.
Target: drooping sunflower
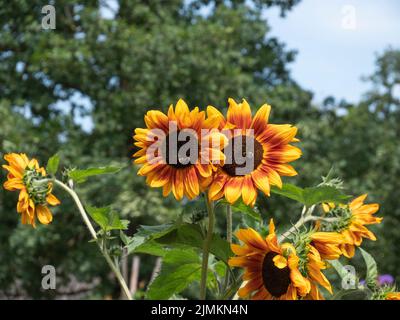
[(351, 222), (273, 271), (164, 166), (25, 175), (271, 152), (327, 244)]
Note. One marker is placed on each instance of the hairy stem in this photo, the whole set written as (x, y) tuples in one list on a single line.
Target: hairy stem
[(206, 248), (114, 267), (306, 216)]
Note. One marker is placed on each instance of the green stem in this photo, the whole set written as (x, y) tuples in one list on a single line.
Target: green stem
[(229, 239), (206, 248), (229, 224), (93, 233)]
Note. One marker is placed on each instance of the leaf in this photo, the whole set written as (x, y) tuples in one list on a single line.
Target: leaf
[(315, 195), (155, 232), (240, 207), (177, 235), (312, 195), (107, 219), (352, 294), (191, 235), (179, 269), (372, 269), (80, 176), (52, 164)]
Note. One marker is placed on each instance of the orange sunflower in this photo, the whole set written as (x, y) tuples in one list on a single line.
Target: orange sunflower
[(165, 166), (268, 159), (275, 271), (351, 223), (328, 244), (25, 175), (392, 296)]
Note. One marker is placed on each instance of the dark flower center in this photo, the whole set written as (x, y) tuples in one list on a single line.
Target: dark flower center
[(177, 153), (276, 280), (244, 161)]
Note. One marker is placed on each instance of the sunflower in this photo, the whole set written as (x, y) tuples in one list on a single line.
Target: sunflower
[(263, 165), (25, 175), (351, 223), (273, 270), (160, 150), (327, 244), (392, 296)]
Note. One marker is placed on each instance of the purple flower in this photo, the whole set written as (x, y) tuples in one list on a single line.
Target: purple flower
[(385, 279)]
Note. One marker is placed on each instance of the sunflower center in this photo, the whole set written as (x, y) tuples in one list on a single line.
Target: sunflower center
[(276, 280), (242, 160), (35, 185), (180, 152)]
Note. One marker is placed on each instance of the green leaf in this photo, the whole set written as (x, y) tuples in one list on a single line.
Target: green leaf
[(240, 207), (352, 294), (176, 235), (179, 269), (155, 232), (312, 195), (372, 269), (80, 176), (107, 218), (320, 194), (52, 164), (289, 191), (191, 235)]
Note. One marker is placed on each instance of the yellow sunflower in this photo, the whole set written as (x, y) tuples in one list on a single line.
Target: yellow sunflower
[(352, 221), (264, 165), (25, 175), (273, 270), (164, 166)]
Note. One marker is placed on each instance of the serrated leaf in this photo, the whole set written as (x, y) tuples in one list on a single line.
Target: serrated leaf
[(80, 176), (240, 207), (190, 235), (107, 219), (372, 269), (289, 191), (52, 164), (312, 195), (320, 194), (179, 269)]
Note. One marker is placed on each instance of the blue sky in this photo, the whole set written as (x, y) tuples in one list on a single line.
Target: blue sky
[(334, 50)]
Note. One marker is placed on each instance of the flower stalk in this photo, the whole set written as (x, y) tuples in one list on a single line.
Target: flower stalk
[(206, 247), (114, 267)]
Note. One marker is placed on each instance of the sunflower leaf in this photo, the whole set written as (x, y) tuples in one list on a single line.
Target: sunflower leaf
[(290, 191), (372, 269), (179, 269), (107, 219), (53, 164), (319, 194), (80, 176), (312, 195)]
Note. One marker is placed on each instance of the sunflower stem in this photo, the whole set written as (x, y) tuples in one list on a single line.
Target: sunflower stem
[(229, 239), (206, 247), (306, 216), (114, 267)]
